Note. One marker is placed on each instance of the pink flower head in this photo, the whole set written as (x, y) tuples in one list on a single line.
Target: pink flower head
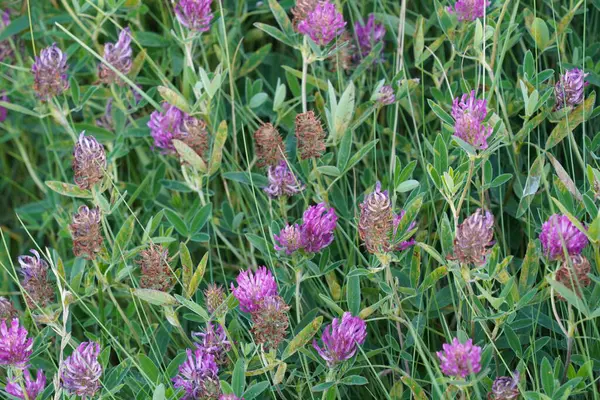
[(386, 95), (214, 341), (80, 372), (119, 55), (166, 126), (468, 114), (341, 338), (316, 231), (197, 375), (32, 387), (323, 24), (15, 346), (288, 239), (559, 230), (469, 10), (459, 360), (194, 14), (368, 35), (569, 89), (253, 287), (282, 181)]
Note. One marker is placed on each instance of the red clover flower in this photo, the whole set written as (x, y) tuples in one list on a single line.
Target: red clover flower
[(316, 231), (568, 91), (15, 346), (469, 10), (89, 161), (195, 15), (282, 181), (341, 338), (458, 359), (39, 292), (85, 229), (253, 287), (368, 35), (119, 56), (323, 24), (559, 230), (474, 238), (32, 387), (50, 72), (469, 114), (80, 372), (198, 376)]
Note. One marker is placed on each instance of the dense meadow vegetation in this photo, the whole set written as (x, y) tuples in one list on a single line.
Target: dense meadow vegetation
[(340, 199)]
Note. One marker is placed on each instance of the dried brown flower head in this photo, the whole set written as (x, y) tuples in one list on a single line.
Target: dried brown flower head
[(474, 238), (270, 322), (214, 296), (89, 161), (7, 310), (268, 146), (85, 229), (195, 135), (343, 58), (38, 290), (156, 272), (301, 10), (310, 135), (376, 221), (574, 273)]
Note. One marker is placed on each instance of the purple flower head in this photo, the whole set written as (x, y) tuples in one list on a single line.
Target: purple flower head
[(288, 239), (50, 72), (38, 290), (459, 360), (407, 243), (368, 35), (32, 387), (15, 346), (323, 23), (119, 56), (3, 110), (386, 95), (505, 388), (559, 230), (340, 339), (214, 341), (469, 10), (166, 126), (80, 372), (253, 287), (569, 89), (468, 114), (197, 375), (194, 14), (89, 161), (282, 181), (172, 124), (316, 231)]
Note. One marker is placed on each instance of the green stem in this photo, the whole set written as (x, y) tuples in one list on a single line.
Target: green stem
[(298, 295), (304, 74)]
